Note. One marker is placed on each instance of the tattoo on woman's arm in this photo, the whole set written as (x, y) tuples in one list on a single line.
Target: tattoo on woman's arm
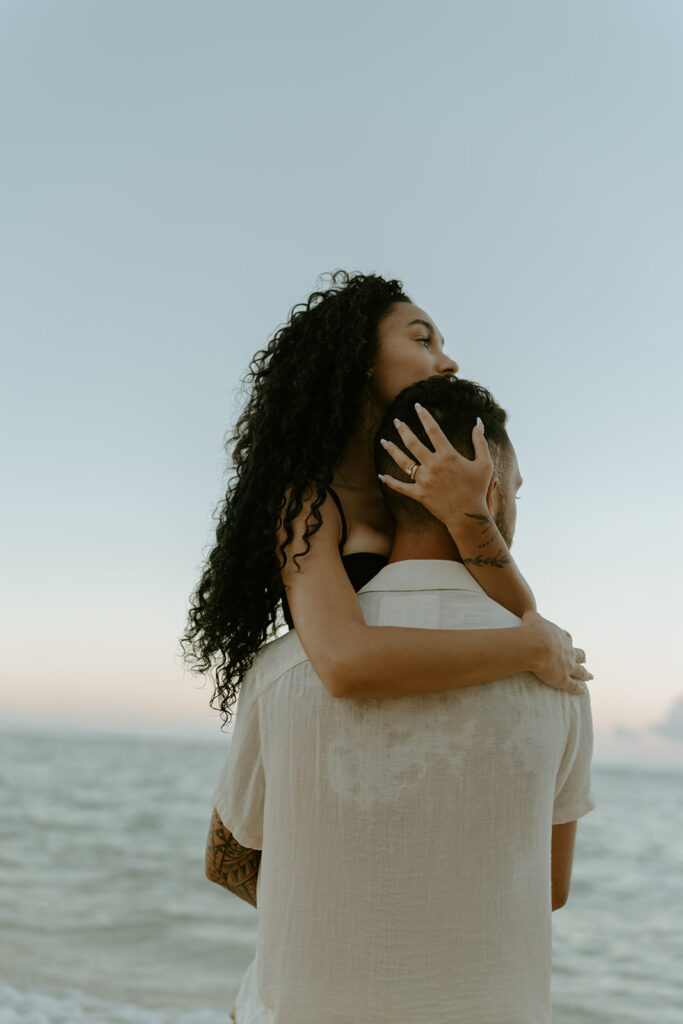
[(497, 561)]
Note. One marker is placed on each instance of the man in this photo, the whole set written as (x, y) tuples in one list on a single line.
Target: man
[(412, 849)]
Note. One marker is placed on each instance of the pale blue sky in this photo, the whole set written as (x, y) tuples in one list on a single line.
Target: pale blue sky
[(176, 176)]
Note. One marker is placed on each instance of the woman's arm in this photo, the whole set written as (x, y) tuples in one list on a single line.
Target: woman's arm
[(496, 572), (397, 661), (456, 490), (354, 659)]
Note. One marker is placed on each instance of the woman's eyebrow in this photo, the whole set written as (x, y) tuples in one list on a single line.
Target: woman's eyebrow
[(428, 326)]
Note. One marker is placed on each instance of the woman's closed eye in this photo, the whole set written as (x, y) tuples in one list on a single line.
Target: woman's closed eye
[(428, 340)]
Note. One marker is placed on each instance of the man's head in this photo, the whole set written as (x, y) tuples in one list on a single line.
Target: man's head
[(455, 404)]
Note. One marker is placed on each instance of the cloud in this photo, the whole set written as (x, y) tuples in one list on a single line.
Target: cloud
[(622, 732), (671, 725), (654, 744)]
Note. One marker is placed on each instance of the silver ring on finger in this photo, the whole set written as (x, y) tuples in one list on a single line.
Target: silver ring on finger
[(413, 470)]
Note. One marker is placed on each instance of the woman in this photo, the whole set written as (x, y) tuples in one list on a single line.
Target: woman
[(305, 483), (303, 440)]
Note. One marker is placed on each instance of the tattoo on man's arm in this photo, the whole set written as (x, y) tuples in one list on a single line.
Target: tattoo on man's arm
[(233, 866), (497, 561)]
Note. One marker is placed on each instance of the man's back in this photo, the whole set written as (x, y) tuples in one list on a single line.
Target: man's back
[(406, 843)]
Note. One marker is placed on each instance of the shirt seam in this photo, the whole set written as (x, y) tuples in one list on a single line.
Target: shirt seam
[(417, 590), (284, 672)]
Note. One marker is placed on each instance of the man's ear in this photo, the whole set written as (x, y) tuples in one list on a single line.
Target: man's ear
[(492, 495)]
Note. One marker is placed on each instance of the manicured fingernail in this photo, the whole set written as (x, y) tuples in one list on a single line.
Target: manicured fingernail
[(418, 406), (396, 422), (383, 442), (480, 424), (380, 475)]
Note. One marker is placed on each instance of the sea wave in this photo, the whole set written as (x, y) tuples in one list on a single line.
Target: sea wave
[(75, 1007)]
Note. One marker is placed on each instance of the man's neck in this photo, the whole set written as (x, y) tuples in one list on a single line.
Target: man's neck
[(433, 543)]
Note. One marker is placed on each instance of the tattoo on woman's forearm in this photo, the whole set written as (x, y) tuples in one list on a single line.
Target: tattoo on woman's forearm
[(233, 866), (497, 561), (481, 518)]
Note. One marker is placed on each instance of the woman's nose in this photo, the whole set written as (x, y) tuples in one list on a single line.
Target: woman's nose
[(449, 365)]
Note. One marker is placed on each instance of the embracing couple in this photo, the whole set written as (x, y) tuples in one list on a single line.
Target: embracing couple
[(410, 759)]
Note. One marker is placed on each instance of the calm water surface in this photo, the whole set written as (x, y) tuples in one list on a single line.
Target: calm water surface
[(106, 916)]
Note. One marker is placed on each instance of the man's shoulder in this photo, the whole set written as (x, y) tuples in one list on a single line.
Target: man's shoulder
[(275, 658)]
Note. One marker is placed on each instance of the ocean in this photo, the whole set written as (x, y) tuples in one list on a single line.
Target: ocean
[(106, 916)]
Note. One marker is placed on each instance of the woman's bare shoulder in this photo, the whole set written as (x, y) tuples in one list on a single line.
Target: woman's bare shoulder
[(320, 595)]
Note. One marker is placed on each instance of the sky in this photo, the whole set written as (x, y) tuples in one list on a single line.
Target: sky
[(176, 177)]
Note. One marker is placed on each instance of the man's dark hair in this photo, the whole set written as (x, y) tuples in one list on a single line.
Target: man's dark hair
[(455, 404)]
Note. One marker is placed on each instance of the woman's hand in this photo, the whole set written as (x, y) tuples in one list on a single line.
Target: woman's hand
[(559, 663), (456, 490), (447, 483)]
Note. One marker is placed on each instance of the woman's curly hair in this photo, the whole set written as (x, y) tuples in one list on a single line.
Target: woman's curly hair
[(308, 388)]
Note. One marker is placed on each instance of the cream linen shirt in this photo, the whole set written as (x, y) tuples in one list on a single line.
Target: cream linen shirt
[(405, 873)]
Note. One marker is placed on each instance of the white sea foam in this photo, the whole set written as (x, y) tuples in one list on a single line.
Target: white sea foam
[(75, 1007)]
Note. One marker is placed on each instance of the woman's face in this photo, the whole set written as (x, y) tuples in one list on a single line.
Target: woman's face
[(409, 349)]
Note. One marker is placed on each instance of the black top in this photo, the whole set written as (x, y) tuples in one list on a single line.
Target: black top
[(360, 566)]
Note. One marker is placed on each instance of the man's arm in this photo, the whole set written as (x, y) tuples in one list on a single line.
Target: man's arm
[(561, 860), (228, 864)]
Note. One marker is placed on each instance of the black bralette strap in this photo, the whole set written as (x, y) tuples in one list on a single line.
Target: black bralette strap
[(341, 513)]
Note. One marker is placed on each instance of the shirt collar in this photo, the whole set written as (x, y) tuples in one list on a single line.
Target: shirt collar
[(423, 574)]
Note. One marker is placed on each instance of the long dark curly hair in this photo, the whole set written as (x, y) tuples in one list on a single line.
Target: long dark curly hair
[(307, 389)]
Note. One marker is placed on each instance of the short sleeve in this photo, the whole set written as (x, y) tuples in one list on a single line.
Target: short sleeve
[(240, 793), (573, 796)]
